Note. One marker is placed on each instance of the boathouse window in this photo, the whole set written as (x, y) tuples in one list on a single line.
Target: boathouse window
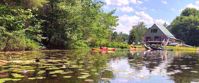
[(154, 30)]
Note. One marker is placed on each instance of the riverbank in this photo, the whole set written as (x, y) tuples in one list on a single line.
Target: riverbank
[(173, 48), (181, 48), (138, 48)]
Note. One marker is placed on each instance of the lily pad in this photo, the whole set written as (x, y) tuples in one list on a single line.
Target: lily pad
[(105, 79), (194, 71), (83, 76), (57, 72), (84, 73), (33, 78), (4, 80), (67, 76), (41, 72), (89, 80), (54, 75), (16, 75), (40, 78), (68, 72)]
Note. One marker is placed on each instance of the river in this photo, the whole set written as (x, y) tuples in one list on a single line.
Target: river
[(82, 66)]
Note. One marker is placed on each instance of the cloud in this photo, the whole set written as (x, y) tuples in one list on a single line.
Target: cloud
[(144, 17), (122, 2), (192, 5), (126, 9), (164, 2), (127, 21), (161, 21), (136, 1)]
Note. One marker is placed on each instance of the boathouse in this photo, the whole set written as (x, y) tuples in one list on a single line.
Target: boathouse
[(158, 34)]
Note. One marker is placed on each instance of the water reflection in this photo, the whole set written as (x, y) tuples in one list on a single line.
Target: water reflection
[(155, 67), (85, 67)]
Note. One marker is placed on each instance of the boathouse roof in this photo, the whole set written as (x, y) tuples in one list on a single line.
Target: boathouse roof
[(164, 30)]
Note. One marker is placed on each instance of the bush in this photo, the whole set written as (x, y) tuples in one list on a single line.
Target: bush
[(118, 45)]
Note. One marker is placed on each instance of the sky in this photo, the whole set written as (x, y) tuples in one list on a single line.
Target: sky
[(131, 12)]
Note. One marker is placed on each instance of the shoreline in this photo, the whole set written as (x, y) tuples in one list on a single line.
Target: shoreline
[(169, 48)]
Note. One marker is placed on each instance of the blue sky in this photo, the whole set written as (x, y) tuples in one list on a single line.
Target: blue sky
[(130, 12)]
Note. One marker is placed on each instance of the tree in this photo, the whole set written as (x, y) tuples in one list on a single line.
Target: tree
[(19, 29), (64, 24), (74, 23), (31, 4), (190, 12), (121, 37), (186, 26), (137, 33)]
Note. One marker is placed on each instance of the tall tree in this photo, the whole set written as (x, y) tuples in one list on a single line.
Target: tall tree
[(186, 26), (137, 33), (76, 23)]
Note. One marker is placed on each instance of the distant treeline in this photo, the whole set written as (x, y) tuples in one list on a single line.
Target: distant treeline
[(57, 24)]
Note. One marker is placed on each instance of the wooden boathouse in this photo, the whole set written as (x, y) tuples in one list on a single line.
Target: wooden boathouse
[(158, 34)]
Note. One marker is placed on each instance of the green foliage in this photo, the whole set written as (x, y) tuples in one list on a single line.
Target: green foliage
[(137, 33), (64, 24), (190, 12), (118, 45), (32, 4), (185, 27), (78, 23), (19, 29), (121, 37)]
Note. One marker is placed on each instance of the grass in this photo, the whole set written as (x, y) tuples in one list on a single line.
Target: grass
[(174, 48), (181, 48)]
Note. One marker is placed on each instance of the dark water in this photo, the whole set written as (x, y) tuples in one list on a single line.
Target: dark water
[(86, 67)]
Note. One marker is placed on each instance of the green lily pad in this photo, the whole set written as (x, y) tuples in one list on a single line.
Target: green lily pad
[(15, 79), (106, 79), (67, 76), (74, 66), (54, 75), (40, 78), (84, 73), (83, 76), (16, 75), (81, 69), (41, 72), (4, 80), (33, 78), (53, 68), (57, 72), (68, 72), (89, 80)]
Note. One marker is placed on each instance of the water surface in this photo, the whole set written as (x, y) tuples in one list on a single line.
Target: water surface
[(88, 67)]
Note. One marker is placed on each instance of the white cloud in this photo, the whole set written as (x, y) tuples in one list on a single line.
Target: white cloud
[(160, 21), (126, 21), (136, 1), (126, 9), (122, 2), (164, 2), (144, 17), (192, 5)]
